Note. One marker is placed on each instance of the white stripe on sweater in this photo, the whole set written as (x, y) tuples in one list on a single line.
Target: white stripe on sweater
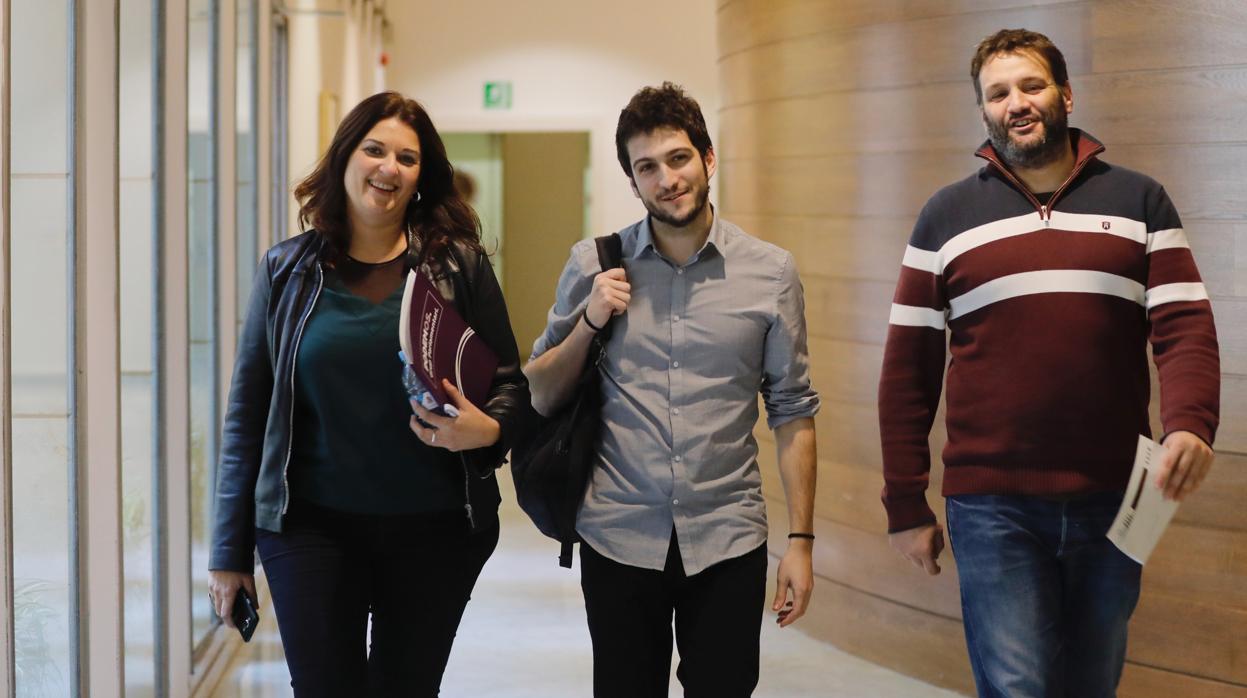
[(1175, 293), (922, 260), (1052, 281), (915, 316), (1030, 223), (1166, 240)]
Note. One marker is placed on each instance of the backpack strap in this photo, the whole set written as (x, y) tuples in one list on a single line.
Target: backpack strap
[(610, 251), (610, 256)]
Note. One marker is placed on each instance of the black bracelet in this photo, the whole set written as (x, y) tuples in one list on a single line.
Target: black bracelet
[(806, 536), (585, 314)]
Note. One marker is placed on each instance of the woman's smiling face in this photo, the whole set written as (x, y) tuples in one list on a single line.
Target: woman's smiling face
[(383, 172)]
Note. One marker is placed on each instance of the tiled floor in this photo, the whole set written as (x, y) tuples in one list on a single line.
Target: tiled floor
[(524, 636)]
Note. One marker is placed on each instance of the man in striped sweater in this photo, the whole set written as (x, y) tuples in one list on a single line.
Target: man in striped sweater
[(1047, 272)]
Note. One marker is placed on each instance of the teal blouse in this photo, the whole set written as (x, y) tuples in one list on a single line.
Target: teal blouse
[(352, 448)]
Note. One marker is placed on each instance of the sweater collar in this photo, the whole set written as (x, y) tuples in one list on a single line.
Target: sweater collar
[(1086, 148)]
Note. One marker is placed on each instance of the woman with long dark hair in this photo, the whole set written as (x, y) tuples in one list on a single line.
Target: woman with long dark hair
[(357, 510)]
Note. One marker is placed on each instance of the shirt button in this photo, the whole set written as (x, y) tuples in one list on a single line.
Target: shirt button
[(675, 502), (677, 459), (675, 410), (679, 271), (675, 364)]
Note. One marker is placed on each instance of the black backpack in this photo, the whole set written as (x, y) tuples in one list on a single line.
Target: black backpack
[(552, 461)]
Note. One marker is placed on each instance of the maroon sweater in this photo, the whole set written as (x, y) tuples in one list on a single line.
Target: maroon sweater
[(1048, 310)]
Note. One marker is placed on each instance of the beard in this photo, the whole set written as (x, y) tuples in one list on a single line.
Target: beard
[(1036, 154), (701, 195)]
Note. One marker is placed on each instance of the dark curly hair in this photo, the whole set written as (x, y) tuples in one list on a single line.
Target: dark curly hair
[(1014, 41), (439, 218), (652, 108)]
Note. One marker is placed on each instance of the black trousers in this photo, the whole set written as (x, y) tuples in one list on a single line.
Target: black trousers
[(718, 619), (329, 570)]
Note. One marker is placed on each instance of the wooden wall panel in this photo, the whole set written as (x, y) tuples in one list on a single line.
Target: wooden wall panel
[(1200, 178), (1232, 435), (1139, 35), (1221, 249), (1219, 503), (839, 119), (891, 54), (857, 587), (747, 23), (850, 247), (1155, 106), (1108, 36)]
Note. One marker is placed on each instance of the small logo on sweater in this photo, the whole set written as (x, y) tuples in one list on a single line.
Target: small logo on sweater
[(1106, 225)]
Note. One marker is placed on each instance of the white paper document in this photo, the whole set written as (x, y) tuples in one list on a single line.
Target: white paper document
[(1144, 513)]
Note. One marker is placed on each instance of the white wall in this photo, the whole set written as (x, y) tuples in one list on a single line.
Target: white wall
[(335, 46), (573, 66)]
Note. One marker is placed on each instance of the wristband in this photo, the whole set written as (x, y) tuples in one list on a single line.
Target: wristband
[(585, 315), (804, 536)]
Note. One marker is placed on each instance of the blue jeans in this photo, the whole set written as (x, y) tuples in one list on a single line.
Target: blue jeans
[(1045, 597)]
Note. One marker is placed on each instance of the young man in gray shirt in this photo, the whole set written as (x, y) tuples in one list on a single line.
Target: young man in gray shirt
[(673, 522)]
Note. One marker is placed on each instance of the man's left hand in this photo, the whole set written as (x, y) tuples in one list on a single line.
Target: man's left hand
[(796, 575), (471, 429), (1184, 466)]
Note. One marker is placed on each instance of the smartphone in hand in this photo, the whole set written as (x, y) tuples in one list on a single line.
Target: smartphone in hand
[(245, 615)]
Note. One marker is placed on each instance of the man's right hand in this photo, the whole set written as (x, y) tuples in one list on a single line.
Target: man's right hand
[(552, 377), (921, 546), (609, 297), (223, 586)]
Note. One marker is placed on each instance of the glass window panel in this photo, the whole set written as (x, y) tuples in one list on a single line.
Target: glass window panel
[(39, 344), (247, 220), (202, 290), (39, 87), (280, 191), (137, 379)]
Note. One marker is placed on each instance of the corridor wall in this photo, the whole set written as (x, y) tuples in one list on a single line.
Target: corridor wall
[(837, 121), (572, 67)]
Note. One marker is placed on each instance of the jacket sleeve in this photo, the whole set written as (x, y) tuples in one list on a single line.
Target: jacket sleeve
[(1182, 333), (509, 401), (911, 380), (242, 439)]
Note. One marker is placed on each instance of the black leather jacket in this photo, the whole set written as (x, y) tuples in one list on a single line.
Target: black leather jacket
[(252, 489)]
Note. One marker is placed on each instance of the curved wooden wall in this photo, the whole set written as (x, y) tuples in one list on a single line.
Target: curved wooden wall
[(839, 119)]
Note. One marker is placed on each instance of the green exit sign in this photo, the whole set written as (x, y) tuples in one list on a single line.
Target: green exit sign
[(498, 95)]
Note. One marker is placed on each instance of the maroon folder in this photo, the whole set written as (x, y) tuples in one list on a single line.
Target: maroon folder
[(439, 344)]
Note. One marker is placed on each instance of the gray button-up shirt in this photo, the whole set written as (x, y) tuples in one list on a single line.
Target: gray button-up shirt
[(680, 381)]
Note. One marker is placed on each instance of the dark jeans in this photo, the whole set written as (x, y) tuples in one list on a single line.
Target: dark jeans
[(1045, 596), (718, 618), (328, 570)]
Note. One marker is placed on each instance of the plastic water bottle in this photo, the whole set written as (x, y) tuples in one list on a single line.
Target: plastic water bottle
[(418, 391)]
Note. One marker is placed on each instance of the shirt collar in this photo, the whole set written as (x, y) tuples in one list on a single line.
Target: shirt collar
[(714, 241)]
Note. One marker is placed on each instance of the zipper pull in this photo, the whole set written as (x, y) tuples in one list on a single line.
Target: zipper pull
[(1043, 216)]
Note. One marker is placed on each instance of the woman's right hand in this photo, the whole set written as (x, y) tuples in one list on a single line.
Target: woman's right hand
[(223, 586)]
